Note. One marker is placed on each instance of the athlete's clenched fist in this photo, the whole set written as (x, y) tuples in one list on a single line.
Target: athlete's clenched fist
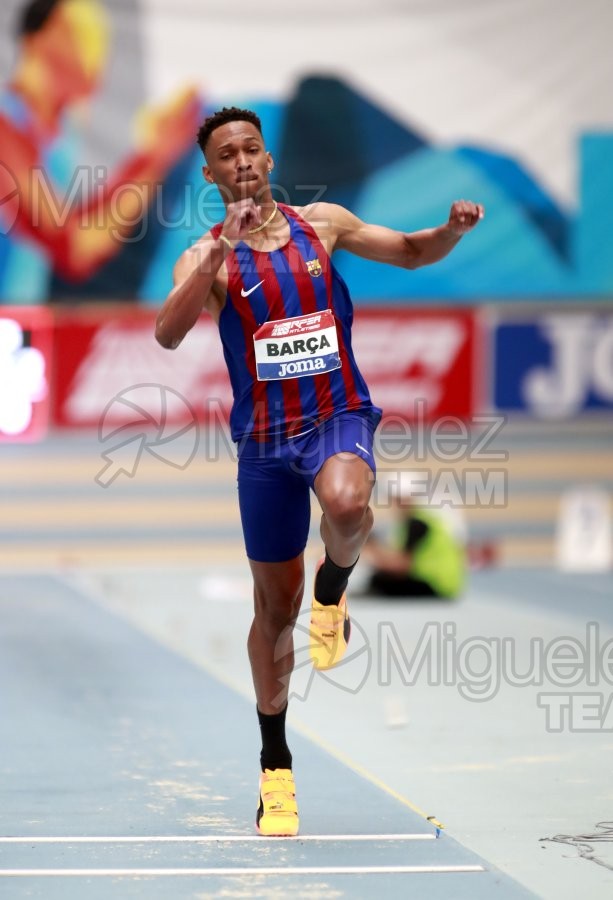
[(464, 215), (240, 217)]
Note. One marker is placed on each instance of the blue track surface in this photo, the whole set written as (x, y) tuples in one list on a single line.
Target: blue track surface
[(107, 734)]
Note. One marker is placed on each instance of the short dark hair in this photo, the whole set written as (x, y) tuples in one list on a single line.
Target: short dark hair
[(34, 15), (221, 117)]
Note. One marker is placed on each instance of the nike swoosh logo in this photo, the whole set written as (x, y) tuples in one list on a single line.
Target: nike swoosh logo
[(245, 293)]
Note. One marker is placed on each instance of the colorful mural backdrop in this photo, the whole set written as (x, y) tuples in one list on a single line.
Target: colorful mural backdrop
[(393, 109)]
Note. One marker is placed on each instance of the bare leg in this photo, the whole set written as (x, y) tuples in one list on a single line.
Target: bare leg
[(343, 487), (278, 589)]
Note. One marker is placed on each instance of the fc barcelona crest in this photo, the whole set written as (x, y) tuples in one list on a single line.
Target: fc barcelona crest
[(314, 267)]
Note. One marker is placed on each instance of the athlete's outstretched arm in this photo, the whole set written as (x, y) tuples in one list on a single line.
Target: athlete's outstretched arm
[(418, 248)]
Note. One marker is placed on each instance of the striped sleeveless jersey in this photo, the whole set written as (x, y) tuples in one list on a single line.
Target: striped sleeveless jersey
[(296, 280)]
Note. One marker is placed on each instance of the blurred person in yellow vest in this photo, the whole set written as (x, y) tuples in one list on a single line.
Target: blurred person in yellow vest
[(426, 555)]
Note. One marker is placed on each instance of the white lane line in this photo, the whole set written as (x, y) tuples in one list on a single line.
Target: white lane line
[(243, 870), (210, 839)]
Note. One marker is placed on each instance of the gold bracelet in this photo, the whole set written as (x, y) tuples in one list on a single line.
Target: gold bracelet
[(226, 240)]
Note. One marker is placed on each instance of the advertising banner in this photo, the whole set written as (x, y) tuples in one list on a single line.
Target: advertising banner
[(554, 365), (416, 363), (109, 363)]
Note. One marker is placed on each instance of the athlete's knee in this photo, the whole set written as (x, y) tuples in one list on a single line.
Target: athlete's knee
[(277, 608), (346, 507)]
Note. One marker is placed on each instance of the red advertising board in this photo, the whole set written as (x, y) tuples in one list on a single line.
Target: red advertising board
[(408, 357), (26, 358), (419, 363), (108, 359)]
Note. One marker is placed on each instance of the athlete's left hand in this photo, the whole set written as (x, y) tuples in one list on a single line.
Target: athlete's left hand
[(464, 215)]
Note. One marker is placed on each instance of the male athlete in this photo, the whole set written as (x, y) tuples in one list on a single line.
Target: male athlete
[(302, 415)]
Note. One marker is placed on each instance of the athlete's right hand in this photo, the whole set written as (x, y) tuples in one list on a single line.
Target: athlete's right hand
[(240, 217)]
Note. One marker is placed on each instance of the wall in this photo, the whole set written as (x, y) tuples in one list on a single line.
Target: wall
[(395, 109)]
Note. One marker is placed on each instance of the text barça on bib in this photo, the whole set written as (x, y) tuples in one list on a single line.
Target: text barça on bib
[(293, 348)]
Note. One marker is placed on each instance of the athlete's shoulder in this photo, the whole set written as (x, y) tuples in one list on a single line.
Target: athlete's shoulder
[(330, 220), (320, 211), (191, 258)]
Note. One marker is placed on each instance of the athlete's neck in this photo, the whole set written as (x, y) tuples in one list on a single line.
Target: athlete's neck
[(275, 234), (266, 221)]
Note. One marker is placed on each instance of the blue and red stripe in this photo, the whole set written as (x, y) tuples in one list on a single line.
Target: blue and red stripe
[(277, 309), (320, 384), (344, 318), (281, 286), (324, 300)]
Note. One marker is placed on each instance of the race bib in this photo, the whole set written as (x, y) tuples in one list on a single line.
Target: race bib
[(292, 348)]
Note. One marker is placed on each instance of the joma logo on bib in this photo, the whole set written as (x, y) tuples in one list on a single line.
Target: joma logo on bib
[(315, 351), (302, 367)]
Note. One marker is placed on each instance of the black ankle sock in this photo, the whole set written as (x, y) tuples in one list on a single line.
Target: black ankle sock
[(331, 581), (275, 752)]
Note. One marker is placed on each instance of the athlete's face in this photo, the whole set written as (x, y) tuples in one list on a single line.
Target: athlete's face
[(237, 161)]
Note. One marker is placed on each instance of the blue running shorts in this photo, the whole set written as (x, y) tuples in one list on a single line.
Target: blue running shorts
[(274, 480)]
